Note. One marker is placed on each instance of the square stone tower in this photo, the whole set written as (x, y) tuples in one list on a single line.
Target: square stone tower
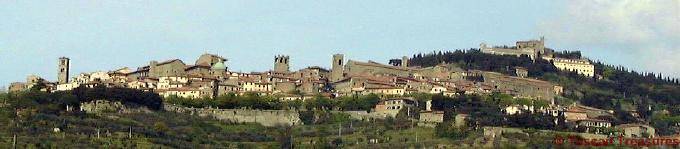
[(281, 63), (337, 67), (64, 66), (404, 62)]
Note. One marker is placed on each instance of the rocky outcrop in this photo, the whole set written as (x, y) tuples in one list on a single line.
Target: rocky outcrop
[(105, 106)]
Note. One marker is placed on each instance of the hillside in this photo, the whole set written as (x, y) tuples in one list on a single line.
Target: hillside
[(613, 87), (616, 82), (41, 120)]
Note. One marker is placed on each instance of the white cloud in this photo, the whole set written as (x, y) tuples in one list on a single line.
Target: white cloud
[(648, 31)]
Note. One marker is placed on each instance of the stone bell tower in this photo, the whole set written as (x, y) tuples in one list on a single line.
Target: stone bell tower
[(64, 68), (337, 67)]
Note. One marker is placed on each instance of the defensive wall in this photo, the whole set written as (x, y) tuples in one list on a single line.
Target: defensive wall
[(265, 117)]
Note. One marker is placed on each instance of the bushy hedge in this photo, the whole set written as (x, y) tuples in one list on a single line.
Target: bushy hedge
[(57, 101), (123, 95), (265, 102)]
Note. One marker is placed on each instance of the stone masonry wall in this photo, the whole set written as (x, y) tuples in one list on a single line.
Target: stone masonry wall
[(265, 117)]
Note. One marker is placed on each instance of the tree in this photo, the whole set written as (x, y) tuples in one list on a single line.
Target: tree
[(449, 130), (284, 137)]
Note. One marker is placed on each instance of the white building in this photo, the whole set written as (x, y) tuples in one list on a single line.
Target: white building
[(580, 66)]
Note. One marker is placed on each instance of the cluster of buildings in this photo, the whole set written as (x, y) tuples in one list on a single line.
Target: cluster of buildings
[(535, 49), (589, 119), (209, 77)]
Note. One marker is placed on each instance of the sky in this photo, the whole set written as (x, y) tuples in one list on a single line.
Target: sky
[(106, 35)]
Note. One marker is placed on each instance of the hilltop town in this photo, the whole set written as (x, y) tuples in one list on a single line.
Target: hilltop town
[(396, 84), (209, 77)]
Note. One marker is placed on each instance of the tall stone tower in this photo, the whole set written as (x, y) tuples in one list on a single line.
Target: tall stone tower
[(64, 66), (540, 46), (404, 62), (281, 63), (337, 68)]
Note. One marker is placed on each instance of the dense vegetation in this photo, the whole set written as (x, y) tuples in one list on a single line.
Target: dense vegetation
[(568, 54), (474, 59), (255, 101), (53, 102)]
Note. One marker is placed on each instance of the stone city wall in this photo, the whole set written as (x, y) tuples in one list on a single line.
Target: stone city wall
[(265, 117), (362, 115)]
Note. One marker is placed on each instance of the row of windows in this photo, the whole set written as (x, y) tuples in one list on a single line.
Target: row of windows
[(393, 107)]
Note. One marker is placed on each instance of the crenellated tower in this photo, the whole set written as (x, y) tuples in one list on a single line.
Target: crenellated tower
[(281, 63)]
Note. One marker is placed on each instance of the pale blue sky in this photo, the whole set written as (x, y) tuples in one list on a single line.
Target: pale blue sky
[(100, 35)]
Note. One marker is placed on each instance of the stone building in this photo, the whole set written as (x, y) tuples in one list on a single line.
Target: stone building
[(430, 118), (637, 130), (32, 80), (206, 65), (393, 90), (174, 67), (366, 84), (521, 72), (282, 84), (391, 107), (337, 68), (281, 63), (311, 73), (580, 66), (441, 72), (521, 87), (374, 68), (404, 62), (532, 48), (593, 123), (209, 60), (64, 68), (251, 85), (219, 70), (184, 92), (187, 86), (146, 84), (198, 70), (17, 87)]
